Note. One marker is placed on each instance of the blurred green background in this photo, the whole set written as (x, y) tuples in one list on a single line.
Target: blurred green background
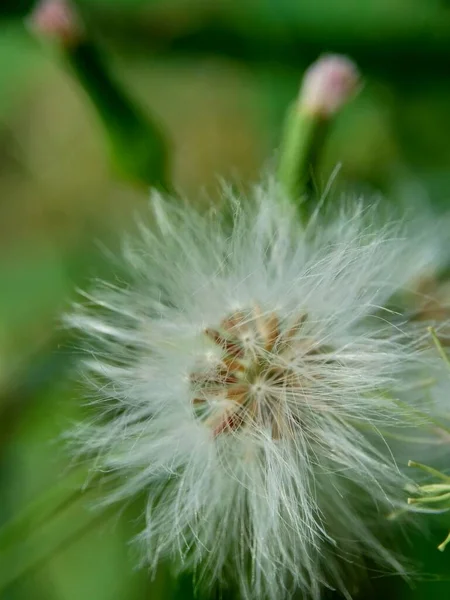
[(218, 76)]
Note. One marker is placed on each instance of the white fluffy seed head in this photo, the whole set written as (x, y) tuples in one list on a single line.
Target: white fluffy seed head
[(248, 377)]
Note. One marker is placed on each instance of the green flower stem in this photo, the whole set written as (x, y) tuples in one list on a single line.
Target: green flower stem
[(138, 148), (302, 141)]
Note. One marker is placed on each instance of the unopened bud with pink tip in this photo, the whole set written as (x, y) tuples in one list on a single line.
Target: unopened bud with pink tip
[(328, 84), (56, 19)]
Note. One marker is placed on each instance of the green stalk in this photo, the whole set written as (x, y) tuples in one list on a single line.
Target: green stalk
[(137, 145), (304, 134)]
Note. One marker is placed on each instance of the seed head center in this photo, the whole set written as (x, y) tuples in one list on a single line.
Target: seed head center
[(248, 385)]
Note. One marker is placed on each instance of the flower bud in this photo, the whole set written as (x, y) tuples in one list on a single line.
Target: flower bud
[(56, 19), (328, 84)]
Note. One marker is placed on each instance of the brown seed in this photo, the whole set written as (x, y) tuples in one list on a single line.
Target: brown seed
[(238, 393), (292, 332), (231, 347), (268, 327), (231, 422), (233, 322)]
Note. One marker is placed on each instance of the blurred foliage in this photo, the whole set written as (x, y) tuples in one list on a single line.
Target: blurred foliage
[(218, 76)]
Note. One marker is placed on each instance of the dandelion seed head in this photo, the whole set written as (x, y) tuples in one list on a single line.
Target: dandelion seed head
[(247, 380), (255, 376)]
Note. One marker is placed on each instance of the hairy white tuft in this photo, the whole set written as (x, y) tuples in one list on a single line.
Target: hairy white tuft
[(248, 375)]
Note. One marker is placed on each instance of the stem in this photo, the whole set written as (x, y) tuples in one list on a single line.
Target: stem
[(299, 151), (138, 147)]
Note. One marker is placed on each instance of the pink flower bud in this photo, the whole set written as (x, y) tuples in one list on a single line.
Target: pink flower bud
[(328, 84), (56, 19)]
